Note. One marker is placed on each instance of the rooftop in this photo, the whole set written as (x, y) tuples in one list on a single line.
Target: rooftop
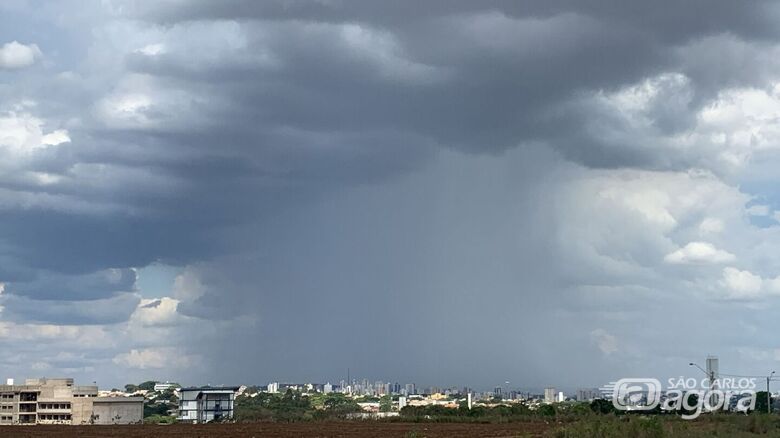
[(212, 388)]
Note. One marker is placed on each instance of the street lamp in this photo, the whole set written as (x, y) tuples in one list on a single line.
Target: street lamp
[(697, 366), (710, 375)]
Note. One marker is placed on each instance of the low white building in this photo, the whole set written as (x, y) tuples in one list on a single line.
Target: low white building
[(202, 405), (160, 386)]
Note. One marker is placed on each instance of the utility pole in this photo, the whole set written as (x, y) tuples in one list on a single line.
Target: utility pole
[(710, 376), (712, 381), (769, 394)]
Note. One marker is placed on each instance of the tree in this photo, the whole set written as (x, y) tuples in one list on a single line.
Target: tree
[(546, 410), (385, 404), (761, 405), (601, 406), (169, 394), (582, 408), (148, 385), (155, 409), (339, 404)]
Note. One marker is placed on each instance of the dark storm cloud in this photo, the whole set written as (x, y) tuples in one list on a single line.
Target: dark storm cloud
[(69, 312), (675, 19), (53, 286), (488, 77), (300, 97)]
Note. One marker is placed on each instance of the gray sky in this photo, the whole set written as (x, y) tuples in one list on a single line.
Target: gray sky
[(441, 192)]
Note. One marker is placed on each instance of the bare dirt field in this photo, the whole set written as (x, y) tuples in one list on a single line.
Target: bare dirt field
[(353, 429)]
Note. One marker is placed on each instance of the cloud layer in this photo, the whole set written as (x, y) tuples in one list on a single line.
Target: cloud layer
[(369, 182)]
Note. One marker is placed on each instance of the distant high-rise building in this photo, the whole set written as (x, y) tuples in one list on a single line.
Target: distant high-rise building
[(327, 388), (379, 388), (410, 389), (587, 394), (497, 392), (712, 369), (273, 387), (549, 395), (561, 397), (401, 402), (712, 377)]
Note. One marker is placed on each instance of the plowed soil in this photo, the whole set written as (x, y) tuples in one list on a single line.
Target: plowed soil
[(349, 429)]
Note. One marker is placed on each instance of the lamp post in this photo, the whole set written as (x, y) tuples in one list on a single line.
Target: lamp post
[(710, 375), (769, 378)]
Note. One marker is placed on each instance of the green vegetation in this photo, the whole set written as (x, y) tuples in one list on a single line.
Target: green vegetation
[(160, 419), (588, 419), (293, 406), (157, 404), (601, 419), (670, 426), (152, 409), (560, 420), (386, 404), (334, 404), (145, 386), (761, 399), (498, 413)]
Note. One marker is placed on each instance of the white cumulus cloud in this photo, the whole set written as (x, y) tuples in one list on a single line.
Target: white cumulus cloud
[(156, 312), (15, 55), (741, 284), (699, 253), (22, 133)]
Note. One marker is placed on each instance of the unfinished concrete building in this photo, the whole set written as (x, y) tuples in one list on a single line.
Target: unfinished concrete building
[(206, 404), (59, 401)]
